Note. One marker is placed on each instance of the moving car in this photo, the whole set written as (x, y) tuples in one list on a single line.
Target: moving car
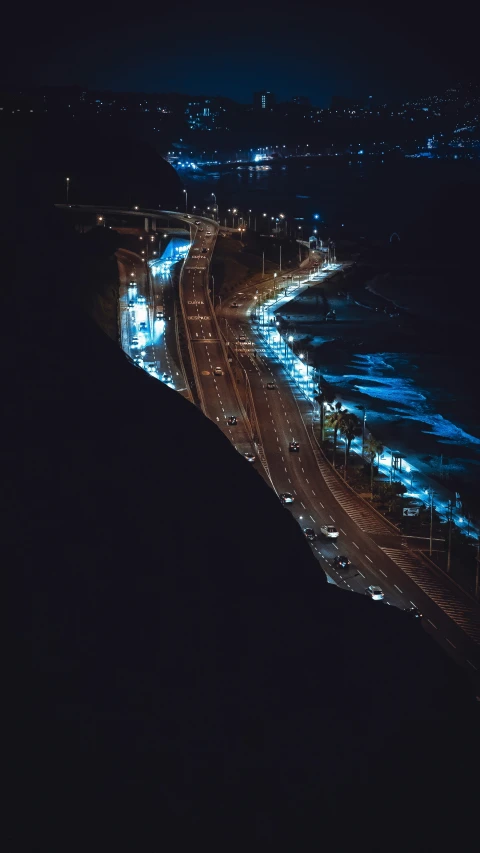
[(131, 305), (208, 234), (242, 339), (271, 386), (294, 447), (234, 304), (310, 534), (413, 612), (217, 371), (142, 300), (329, 531), (159, 314), (204, 250), (197, 222), (232, 421), (132, 283), (341, 562), (143, 325), (249, 457), (286, 498), (375, 592), (135, 342)]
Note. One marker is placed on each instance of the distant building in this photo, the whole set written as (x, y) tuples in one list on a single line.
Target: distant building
[(263, 100), (301, 100), (205, 114)]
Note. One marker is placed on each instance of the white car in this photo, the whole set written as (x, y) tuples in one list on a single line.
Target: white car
[(329, 531), (374, 592), (217, 371), (208, 234), (242, 339)]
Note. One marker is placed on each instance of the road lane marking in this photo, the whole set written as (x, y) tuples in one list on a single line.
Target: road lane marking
[(383, 573), (471, 664), (322, 505), (356, 546), (431, 623), (368, 558), (449, 641), (302, 504), (335, 546), (313, 493), (312, 518), (360, 573), (342, 531), (397, 587), (332, 519)]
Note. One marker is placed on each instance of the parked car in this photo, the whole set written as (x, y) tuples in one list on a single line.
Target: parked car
[(286, 498), (341, 562), (294, 447)]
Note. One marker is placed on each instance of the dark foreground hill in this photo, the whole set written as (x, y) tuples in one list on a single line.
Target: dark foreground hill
[(183, 673)]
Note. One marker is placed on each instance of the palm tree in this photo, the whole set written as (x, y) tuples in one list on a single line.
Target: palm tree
[(325, 397), (350, 426), (334, 421), (373, 448)]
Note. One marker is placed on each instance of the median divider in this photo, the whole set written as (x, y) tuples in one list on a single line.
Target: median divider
[(191, 352), (229, 367)]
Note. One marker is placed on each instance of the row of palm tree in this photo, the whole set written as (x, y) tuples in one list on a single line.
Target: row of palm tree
[(335, 416)]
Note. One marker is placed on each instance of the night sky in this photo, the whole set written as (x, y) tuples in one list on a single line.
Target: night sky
[(389, 51)]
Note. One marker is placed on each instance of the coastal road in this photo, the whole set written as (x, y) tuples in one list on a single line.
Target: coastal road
[(213, 376), (142, 333), (376, 553)]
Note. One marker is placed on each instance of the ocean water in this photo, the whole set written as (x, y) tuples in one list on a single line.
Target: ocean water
[(371, 198), (411, 410), (423, 401)]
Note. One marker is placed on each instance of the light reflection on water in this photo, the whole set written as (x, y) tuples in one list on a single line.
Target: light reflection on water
[(390, 392)]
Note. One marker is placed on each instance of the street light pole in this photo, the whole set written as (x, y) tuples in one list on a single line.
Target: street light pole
[(431, 522), (280, 258), (213, 292), (67, 181), (449, 552), (263, 264), (186, 201)]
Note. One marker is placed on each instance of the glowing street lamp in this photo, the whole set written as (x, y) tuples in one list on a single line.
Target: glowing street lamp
[(67, 182), (186, 201)]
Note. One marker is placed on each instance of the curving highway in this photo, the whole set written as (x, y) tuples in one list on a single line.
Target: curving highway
[(377, 555)]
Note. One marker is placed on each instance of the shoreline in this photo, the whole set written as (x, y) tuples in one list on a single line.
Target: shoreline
[(376, 355)]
